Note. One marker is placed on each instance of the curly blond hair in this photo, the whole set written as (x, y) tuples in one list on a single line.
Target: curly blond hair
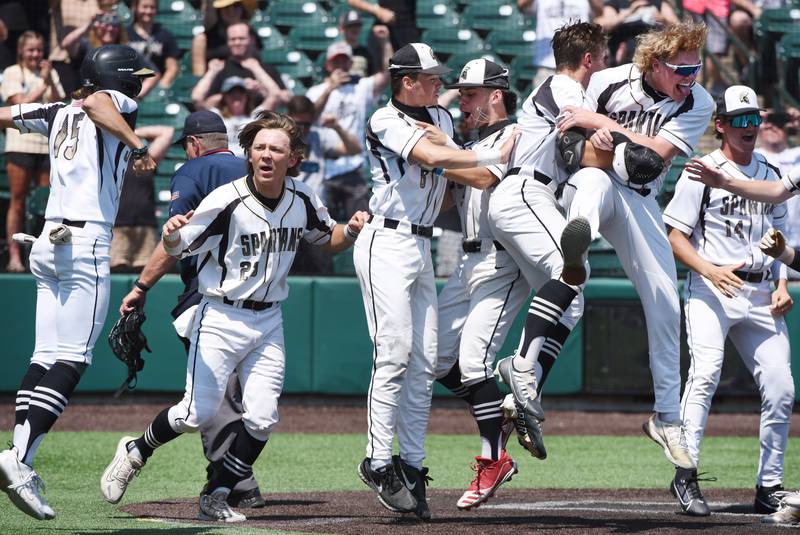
[(667, 42), (269, 120)]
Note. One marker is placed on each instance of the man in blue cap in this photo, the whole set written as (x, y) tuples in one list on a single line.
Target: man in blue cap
[(211, 164)]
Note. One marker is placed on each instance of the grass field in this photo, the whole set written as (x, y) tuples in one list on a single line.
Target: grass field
[(71, 464)]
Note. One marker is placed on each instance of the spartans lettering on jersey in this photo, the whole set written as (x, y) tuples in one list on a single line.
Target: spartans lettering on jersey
[(280, 240), (735, 205), (644, 122)]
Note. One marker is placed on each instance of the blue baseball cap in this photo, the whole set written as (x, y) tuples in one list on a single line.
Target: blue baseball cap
[(201, 122)]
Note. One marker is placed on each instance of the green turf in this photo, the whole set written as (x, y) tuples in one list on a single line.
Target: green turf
[(71, 464)]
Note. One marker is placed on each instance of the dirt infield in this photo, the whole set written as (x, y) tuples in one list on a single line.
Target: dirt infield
[(511, 512)]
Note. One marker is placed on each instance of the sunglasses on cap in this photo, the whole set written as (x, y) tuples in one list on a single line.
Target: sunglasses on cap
[(743, 121), (684, 70)]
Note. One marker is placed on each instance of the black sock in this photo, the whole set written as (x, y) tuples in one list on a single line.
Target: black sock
[(553, 343), (29, 381), (237, 463), (48, 400), (452, 381), (486, 401), (158, 433), (546, 310)]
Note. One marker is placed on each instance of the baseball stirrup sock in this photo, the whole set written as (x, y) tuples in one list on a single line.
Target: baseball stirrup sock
[(29, 381), (554, 340), (47, 401), (158, 433), (486, 401), (237, 463), (546, 310), (452, 381)]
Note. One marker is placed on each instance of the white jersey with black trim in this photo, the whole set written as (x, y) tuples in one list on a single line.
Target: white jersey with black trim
[(403, 190), (622, 94), (535, 151), (87, 164), (473, 203), (244, 247), (725, 228)]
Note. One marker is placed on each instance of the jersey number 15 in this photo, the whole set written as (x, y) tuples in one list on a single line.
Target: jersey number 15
[(61, 136)]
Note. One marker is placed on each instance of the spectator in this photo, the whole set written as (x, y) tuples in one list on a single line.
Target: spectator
[(136, 230), (551, 15), (328, 141), (350, 99), (258, 77), (398, 16), (236, 109), (32, 79), (213, 43), (153, 42), (103, 29), (350, 26), (623, 20), (66, 16), (774, 145)]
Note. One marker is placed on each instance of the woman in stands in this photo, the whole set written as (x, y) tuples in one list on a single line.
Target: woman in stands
[(32, 79), (153, 42)]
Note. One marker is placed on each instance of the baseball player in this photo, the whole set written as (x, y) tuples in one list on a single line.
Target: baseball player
[(728, 293), (483, 295), (245, 233), (210, 164), (90, 141), (656, 103), (392, 258), (525, 217)]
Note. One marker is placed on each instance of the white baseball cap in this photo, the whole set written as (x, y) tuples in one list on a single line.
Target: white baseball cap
[(482, 73), (737, 100), (339, 48), (416, 57)]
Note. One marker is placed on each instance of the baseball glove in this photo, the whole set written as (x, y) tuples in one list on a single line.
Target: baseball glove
[(127, 341)]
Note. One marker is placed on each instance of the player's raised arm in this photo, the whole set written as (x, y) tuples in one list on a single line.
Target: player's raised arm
[(763, 191)]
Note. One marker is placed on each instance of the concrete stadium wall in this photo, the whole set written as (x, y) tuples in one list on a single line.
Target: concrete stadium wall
[(328, 347)]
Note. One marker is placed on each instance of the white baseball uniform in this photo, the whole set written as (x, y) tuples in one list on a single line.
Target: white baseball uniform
[(87, 167), (483, 295), (630, 219), (392, 257), (245, 246), (725, 229), (524, 214)]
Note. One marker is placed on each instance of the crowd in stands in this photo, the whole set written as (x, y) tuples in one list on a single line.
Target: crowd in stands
[(215, 55)]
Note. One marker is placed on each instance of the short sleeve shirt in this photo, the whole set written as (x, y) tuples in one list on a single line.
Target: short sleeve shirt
[(156, 47)]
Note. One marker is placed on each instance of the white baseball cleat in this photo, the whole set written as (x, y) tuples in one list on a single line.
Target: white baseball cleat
[(787, 515), (215, 507), (575, 240), (123, 468), (24, 487), (672, 438)]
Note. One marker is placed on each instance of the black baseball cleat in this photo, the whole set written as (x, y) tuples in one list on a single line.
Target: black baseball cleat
[(248, 499), (687, 490), (415, 481), (386, 482), (575, 240), (768, 499)]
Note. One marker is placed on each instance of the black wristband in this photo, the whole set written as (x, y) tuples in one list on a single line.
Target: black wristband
[(138, 154), (142, 286)]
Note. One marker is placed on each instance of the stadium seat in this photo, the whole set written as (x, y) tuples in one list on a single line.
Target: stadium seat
[(290, 62), (485, 17), (181, 89), (183, 25), (522, 71), (511, 42), (314, 38), (457, 62), (158, 109), (769, 28), (788, 53), (670, 180), (287, 14), (446, 41), (270, 37), (436, 14)]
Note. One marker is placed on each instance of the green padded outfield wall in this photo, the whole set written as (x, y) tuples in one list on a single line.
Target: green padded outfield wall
[(327, 343)]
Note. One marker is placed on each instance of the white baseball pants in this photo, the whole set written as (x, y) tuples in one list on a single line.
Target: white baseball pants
[(477, 307), (633, 225), (395, 272), (225, 338), (763, 345), (72, 292)]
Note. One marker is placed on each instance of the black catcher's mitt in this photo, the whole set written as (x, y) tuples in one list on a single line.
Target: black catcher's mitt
[(127, 341)]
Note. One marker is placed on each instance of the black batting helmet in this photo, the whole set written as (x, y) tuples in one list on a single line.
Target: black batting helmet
[(117, 67)]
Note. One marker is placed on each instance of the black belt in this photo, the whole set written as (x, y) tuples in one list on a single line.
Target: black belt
[(419, 230), (71, 223), (474, 246), (258, 306), (752, 276), (537, 176)]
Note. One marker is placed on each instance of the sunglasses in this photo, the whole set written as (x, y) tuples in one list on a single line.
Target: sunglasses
[(684, 70), (743, 121)]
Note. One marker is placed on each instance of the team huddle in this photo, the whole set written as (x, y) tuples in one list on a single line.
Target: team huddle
[(585, 158)]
